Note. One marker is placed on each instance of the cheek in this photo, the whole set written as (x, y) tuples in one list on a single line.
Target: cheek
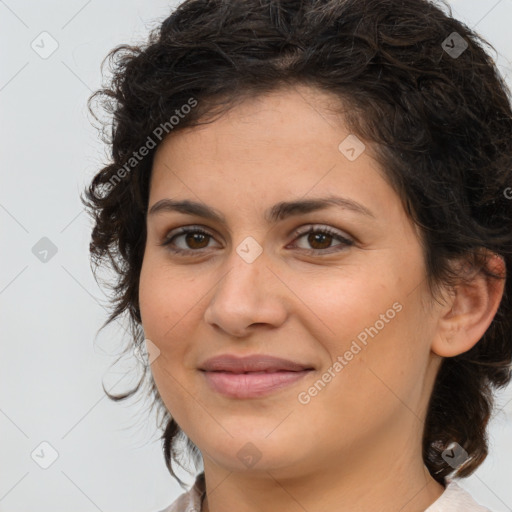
[(147, 303), (163, 310), (170, 308), (165, 299), (348, 304), (376, 371), (371, 320)]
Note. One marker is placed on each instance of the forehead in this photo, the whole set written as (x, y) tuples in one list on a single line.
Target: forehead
[(291, 127), (290, 143)]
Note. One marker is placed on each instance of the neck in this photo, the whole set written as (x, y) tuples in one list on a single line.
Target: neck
[(382, 476), (411, 495)]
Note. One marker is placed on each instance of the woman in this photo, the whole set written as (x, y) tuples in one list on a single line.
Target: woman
[(306, 211)]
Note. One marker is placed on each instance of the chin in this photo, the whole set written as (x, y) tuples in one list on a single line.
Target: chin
[(254, 451)]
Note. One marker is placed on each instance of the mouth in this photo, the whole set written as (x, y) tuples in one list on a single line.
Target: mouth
[(253, 376)]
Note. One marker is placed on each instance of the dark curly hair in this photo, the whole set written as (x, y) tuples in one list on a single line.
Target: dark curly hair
[(439, 120)]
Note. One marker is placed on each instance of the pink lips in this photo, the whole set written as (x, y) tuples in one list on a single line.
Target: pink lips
[(251, 376)]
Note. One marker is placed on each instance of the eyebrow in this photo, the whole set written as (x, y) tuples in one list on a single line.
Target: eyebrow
[(278, 212)]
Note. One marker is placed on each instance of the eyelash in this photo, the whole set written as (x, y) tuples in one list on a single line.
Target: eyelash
[(345, 242)]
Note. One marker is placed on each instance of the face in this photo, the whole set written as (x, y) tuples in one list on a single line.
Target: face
[(337, 288)]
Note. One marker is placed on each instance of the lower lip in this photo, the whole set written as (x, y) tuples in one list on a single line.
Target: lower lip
[(251, 385)]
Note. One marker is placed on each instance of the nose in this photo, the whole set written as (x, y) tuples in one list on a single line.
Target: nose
[(248, 295)]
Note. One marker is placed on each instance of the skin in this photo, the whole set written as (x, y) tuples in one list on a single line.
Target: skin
[(357, 443)]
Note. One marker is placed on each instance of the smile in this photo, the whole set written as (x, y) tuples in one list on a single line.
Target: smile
[(251, 384)]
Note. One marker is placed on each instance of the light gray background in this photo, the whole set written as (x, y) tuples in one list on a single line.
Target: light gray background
[(52, 361)]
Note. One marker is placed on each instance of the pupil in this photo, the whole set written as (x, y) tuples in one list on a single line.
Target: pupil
[(319, 237), (196, 237)]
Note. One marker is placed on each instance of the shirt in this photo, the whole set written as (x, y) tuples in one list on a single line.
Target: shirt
[(453, 499)]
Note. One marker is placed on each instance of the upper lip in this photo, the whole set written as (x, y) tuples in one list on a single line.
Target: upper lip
[(252, 363)]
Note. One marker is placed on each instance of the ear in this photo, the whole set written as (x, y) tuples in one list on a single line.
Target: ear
[(469, 309)]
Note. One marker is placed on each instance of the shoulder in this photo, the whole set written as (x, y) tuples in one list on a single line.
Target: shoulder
[(456, 499), (191, 500)]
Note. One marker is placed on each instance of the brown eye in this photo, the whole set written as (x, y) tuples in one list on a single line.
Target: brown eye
[(320, 238), (194, 240)]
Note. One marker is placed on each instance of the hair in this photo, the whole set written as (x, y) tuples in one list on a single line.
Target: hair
[(440, 124)]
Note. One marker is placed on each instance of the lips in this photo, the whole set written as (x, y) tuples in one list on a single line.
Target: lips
[(254, 363), (251, 376)]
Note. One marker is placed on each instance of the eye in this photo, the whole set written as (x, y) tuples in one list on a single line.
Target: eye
[(194, 238), (321, 237)]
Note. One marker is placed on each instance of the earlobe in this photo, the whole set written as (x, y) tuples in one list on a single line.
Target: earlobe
[(470, 309)]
